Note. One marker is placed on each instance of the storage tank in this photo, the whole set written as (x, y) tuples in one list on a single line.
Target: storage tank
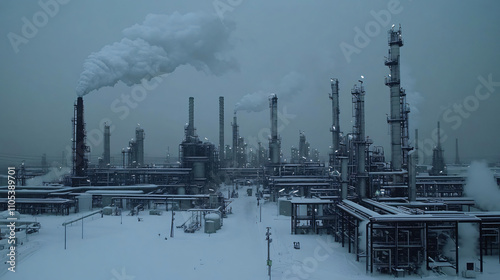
[(215, 218), (107, 210), (209, 226)]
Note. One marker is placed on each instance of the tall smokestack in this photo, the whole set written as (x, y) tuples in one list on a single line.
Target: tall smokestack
[(221, 129), (107, 152), (139, 140), (190, 130), (79, 147), (335, 129), (235, 140), (396, 119), (274, 143), (457, 158)]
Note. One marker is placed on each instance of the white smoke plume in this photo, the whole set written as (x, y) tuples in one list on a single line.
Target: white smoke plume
[(55, 175), (482, 187), (290, 85), (413, 98), (158, 46), (468, 244)]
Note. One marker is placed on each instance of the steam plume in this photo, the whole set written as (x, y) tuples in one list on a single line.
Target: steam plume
[(482, 187), (290, 85), (158, 46)]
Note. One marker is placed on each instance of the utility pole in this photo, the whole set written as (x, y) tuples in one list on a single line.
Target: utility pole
[(260, 216), (269, 262)]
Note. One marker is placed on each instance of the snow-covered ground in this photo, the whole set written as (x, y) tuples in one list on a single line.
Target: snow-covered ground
[(144, 250)]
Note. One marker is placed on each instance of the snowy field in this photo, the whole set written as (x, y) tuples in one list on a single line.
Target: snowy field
[(140, 250)]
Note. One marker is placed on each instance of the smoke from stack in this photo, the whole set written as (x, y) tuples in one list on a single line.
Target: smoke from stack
[(482, 187), (158, 46), (290, 85)]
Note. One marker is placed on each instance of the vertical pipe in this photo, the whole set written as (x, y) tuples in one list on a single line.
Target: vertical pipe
[(221, 129), (335, 129), (191, 117), (274, 144), (412, 172), (107, 152), (343, 175), (416, 148), (456, 247), (235, 140), (65, 237), (481, 246), (139, 136)]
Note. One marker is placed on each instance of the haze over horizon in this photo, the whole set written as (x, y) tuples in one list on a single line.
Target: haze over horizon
[(291, 48)]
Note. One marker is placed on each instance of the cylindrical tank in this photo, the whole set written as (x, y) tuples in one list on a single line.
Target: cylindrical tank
[(209, 226), (215, 218), (181, 190), (199, 170)]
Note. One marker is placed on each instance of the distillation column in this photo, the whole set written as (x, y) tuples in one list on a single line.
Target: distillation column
[(335, 129), (139, 142), (274, 142), (398, 117), (221, 130), (235, 140), (107, 152), (358, 100)]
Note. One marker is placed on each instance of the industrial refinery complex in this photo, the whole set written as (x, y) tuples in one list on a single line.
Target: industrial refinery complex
[(392, 215)]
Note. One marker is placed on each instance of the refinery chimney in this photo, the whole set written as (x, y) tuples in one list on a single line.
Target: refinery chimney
[(398, 119), (274, 142), (107, 153), (235, 140), (335, 129), (190, 128), (79, 146), (221, 130)]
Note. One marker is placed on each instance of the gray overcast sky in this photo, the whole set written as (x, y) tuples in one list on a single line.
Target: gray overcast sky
[(450, 46)]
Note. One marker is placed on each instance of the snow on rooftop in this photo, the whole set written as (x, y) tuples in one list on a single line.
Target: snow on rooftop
[(144, 250)]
